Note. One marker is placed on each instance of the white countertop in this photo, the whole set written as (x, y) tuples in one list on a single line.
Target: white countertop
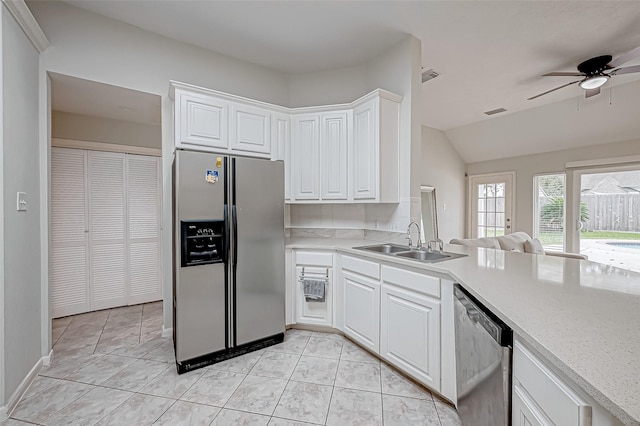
[(584, 317)]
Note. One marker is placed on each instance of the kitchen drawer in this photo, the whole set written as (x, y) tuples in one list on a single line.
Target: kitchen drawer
[(420, 283), (561, 404), (315, 258), (361, 266)]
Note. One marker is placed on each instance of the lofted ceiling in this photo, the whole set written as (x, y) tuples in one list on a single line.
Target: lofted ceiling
[(489, 54)]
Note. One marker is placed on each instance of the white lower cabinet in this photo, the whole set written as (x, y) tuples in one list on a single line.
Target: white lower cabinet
[(315, 265), (361, 309), (542, 397), (410, 333), (524, 410)]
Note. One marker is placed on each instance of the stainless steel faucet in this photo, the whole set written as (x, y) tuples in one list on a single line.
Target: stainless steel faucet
[(419, 245), (439, 242)]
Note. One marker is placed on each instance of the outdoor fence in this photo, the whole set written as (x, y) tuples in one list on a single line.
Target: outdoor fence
[(612, 212)]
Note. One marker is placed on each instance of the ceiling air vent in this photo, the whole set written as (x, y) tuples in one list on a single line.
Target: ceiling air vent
[(495, 111), (429, 74)]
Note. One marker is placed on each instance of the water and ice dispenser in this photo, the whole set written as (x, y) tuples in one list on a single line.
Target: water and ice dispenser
[(202, 242)]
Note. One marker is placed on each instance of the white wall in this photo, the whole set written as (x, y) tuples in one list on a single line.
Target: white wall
[(79, 127), (21, 319), (92, 47), (529, 165), (338, 86), (442, 168)]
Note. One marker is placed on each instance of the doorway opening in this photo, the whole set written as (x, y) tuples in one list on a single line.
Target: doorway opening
[(105, 198)]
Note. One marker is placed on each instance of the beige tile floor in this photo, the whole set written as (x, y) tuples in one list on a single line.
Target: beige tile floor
[(113, 367)]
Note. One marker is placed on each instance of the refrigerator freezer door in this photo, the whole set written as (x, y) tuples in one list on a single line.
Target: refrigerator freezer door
[(259, 270), (199, 291)]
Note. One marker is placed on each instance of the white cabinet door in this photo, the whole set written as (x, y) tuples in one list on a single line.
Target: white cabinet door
[(361, 305), (333, 155), (314, 313), (365, 151), (410, 333), (69, 273), (143, 229), (108, 276), (524, 411), (201, 121), (305, 149), (281, 146), (250, 129)]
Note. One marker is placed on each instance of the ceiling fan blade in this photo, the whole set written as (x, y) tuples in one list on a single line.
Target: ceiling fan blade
[(563, 74), (625, 57), (626, 70), (591, 92), (553, 90)]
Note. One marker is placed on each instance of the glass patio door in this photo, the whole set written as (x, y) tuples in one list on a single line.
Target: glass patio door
[(608, 216), (491, 205)]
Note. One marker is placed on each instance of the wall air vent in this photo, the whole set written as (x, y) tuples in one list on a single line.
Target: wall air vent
[(429, 74), (495, 111)]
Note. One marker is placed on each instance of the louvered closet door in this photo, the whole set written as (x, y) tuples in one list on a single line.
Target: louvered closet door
[(69, 274), (143, 198), (107, 230)]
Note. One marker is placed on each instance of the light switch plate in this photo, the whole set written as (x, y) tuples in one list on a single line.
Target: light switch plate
[(22, 201)]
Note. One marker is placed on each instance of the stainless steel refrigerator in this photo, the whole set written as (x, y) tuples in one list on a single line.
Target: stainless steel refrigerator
[(228, 284)]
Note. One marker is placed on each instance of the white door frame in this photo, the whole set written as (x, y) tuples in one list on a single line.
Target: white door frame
[(510, 178)]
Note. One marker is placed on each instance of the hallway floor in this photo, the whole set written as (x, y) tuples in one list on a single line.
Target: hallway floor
[(113, 367)]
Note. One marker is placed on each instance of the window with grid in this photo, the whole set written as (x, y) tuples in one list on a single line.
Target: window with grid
[(491, 213), (549, 210)]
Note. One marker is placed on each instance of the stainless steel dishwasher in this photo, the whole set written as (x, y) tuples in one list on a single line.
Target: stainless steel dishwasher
[(483, 363)]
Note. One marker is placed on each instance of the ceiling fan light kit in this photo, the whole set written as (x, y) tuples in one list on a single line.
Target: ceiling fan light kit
[(596, 72), (594, 82)]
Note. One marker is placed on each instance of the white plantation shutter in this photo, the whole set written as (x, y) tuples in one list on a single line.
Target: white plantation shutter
[(69, 250), (143, 195), (107, 229)]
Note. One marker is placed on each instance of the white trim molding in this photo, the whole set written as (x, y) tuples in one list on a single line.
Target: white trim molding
[(106, 147), (28, 23), (22, 388), (603, 162), (167, 332)]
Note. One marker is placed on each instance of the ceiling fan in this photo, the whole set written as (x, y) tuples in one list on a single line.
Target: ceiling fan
[(596, 72)]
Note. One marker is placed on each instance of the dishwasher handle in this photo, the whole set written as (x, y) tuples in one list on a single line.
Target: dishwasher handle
[(478, 314)]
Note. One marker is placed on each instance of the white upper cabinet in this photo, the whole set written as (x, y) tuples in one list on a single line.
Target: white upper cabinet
[(376, 142), (333, 154), (334, 139), (250, 129), (366, 151), (201, 121), (207, 120), (281, 146), (305, 153), (358, 161)]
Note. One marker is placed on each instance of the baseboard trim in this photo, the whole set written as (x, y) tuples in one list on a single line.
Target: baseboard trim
[(46, 360), (167, 332), (17, 395)]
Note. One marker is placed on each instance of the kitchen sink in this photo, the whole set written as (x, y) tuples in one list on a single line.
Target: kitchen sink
[(423, 255), (385, 248), (420, 255)]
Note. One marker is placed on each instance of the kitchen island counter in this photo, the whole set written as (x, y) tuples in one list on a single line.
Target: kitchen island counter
[(582, 316)]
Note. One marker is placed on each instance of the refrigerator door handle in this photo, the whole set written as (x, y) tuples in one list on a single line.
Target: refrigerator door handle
[(235, 236)]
